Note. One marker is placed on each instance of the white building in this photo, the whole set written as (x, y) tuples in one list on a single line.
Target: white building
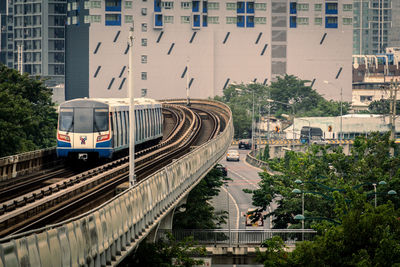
[(214, 42)]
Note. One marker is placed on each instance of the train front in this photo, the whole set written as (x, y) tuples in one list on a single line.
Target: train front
[(84, 130)]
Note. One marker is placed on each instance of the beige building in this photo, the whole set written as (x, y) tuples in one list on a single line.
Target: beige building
[(208, 44)]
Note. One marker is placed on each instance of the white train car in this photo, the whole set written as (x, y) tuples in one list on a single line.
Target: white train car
[(99, 127)]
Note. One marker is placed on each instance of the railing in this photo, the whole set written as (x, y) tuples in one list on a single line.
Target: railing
[(240, 237)]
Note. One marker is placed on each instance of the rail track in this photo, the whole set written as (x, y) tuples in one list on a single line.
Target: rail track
[(80, 193)]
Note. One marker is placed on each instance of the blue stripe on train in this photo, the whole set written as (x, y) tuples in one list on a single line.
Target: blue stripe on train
[(104, 144)]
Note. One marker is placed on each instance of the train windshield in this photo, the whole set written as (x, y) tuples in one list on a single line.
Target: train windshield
[(100, 120), (66, 120), (83, 120)]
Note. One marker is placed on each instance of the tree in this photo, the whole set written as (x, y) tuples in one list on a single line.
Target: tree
[(324, 171), (303, 100), (199, 214), (28, 119), (167, 252)]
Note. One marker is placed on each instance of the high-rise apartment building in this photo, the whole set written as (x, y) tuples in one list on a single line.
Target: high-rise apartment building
[(33, 38), (376, 26), (213, 43)]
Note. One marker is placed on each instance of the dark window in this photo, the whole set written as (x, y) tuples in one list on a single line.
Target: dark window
[(100, 120), (66, 122), (83, 120)]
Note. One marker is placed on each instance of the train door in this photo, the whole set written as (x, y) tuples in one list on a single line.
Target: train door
[(123, 127), (115, 129), (83, 128)]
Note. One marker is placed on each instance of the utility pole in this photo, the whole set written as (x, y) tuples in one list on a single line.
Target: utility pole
[(187, 83), (132, 177), (393, 97)]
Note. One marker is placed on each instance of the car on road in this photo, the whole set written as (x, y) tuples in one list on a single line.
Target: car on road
[(222, 169), (319, 141), (245, 144), (232, 155)]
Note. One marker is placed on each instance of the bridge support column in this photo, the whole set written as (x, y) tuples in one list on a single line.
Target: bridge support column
[(166, 222)]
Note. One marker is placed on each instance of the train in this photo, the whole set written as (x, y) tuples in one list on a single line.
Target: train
[(98, 128)]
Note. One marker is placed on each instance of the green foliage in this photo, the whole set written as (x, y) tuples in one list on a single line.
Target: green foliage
[(329, 174), (266, 153), (199, 214), (28, 119), (274, 255), (303, 100), (382, 106), (167, 253)]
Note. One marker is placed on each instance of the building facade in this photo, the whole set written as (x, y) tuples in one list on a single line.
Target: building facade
[(376, 26), (33, 39), (206, 44)]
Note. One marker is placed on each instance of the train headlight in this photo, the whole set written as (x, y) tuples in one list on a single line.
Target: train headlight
[(104, 137), (64, 137)]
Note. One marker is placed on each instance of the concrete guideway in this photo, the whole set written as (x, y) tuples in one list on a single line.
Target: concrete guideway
[(107, 234)]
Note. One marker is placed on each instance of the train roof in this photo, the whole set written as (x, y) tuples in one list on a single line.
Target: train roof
[(115, 102)]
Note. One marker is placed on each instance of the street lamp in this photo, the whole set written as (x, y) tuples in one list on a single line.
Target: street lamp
[(300, 217), (390, 192), (252, 119), (341, 108)]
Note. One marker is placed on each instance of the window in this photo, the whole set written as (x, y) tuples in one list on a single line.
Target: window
[(213, 5), (260, 20), (144, 42), (317, 7), (318, 21), (364, 98), (185, 19), (302, 7), (260, 6), (113, 19), (302, 20), (230, 6), (144, 27), (144, 11), (74, 20), (231, 20), (128, 18), (144, 59), (128, 4), (74, 6), (95, 4), (347, 21), (186, 5), (347, 7), (144, 75), (168, 19), (213, 20), (144, 92), (167, 5), (93, 19)]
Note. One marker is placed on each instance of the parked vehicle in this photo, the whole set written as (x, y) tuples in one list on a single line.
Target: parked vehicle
[(232, 155), (311, 135)]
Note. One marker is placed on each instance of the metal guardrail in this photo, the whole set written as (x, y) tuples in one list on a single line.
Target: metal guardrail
[(105, 235), (241, 237)]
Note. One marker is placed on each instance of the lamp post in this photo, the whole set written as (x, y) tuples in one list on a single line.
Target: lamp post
[(302, 218), (341, 109), (252, 119), (132, 178), (290, 105)]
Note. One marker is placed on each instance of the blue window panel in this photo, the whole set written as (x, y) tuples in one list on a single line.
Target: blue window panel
[(196, 20), (331, 22), (250, 21), (205, 6), (240, 21), (240, 7), (157, 5), (114, 22), (293, 8), (115, 5), (158, 20), (331, 8), (195, 6), (250, 7), (293, 22), (205, 20)]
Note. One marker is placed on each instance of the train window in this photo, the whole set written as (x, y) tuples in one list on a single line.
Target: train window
[(83, 120), (142, 124), (123, 127), (66, 119), (100, 120), (153, 122), (136, 126)]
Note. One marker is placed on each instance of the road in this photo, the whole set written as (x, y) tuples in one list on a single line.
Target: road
[(243, 176)]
